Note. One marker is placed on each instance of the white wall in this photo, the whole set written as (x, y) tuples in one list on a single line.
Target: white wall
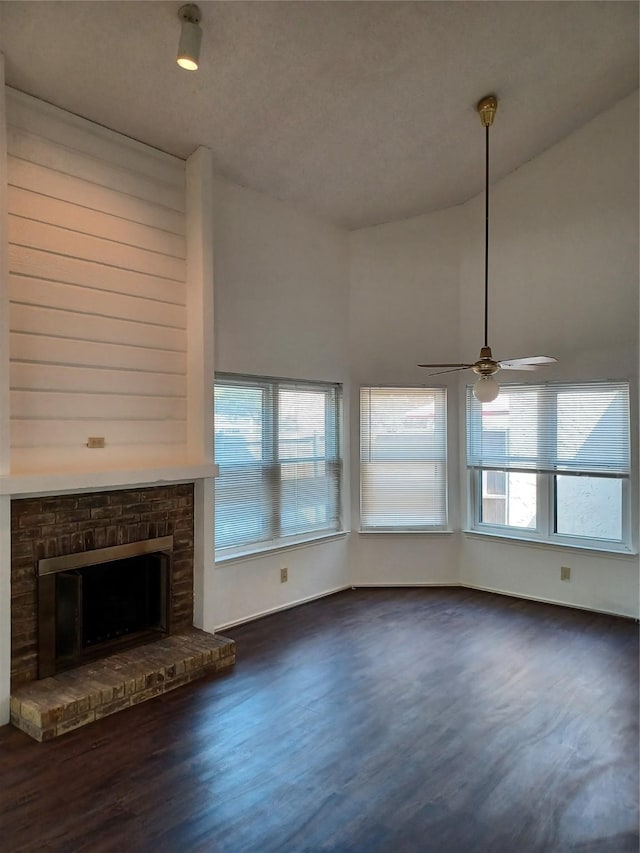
[(564, 282), (403, 311), (563, 253), (598, 581), (281, 307)]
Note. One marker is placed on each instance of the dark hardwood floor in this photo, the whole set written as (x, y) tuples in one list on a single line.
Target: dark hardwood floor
[(373, 720)]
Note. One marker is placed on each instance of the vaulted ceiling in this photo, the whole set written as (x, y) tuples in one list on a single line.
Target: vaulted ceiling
[(359, 112)]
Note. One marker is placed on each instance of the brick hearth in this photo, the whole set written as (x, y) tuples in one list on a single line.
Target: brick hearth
[(52, 706)]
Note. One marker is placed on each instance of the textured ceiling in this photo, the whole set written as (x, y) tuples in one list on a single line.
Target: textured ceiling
[(360, 112)]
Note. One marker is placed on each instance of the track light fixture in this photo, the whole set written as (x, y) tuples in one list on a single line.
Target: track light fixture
[(190, 37)]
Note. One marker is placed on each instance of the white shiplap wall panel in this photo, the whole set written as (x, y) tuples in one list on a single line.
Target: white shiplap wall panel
[(70, 161), (51, 267), (26, 376), (5, 445), (46, 182), (46, 464), (41, 349), (58, 433), (36, 320), (57, 405), (70, 297), (96, 140), (97, 294), (74, 244), (69, 215)]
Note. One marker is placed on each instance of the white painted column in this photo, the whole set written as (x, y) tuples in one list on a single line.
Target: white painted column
[(5, 463), (200, 371)]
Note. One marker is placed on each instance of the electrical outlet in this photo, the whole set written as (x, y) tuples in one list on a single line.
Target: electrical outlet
[(565, 573), (284, 575)]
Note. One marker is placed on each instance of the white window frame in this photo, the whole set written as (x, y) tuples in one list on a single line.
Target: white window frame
[(333, 413), (544, 532)]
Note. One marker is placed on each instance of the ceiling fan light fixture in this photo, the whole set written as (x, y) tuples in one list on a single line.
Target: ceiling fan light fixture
[(486, 389), (190, 37)]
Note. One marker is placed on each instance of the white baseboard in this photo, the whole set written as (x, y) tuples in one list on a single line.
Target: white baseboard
[(555, 601), (408, 585), (259, 614)]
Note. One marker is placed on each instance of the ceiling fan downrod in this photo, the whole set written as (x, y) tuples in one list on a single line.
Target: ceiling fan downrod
[(486, 107)]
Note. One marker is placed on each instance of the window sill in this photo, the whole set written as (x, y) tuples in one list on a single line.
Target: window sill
[(610, 551), (266, 550)]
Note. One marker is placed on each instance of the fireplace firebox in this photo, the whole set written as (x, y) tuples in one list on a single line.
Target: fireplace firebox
[(96, 602)]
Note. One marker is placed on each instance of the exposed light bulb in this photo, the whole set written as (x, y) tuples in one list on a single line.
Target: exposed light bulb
[(187, 63), (486, 389)]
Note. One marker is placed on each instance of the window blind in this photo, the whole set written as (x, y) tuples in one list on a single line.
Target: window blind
[(574, 428), (277, 445), (403, 458)]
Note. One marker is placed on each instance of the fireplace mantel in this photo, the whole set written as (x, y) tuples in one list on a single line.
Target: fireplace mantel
[(32, 485)]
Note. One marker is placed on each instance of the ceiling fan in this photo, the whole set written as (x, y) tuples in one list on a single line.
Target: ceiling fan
[(486, 388)]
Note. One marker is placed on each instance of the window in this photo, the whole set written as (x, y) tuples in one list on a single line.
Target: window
[(552, 462), (277, 445), (403, 459)]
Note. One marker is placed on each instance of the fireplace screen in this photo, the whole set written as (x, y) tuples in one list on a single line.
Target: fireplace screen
[(97, 602)]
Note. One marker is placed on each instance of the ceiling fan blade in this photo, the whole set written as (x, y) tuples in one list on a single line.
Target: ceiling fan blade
[(532, 362), (511, 366), (458, 366), (451, 369)]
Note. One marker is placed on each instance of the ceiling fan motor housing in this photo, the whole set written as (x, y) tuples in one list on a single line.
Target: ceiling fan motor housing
[(485, 365)]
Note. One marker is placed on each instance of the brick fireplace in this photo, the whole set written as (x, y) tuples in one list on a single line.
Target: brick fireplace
[(49, 527), (69, 524)]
